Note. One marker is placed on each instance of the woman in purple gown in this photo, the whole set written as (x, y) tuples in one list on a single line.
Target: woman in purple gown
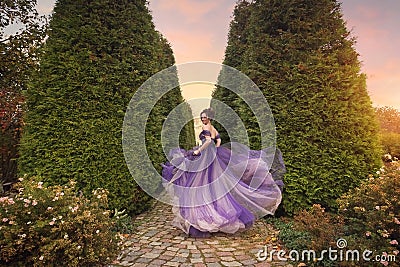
[(220, 189)]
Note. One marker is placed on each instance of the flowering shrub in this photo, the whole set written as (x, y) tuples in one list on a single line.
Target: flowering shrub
[(53, 226), (368, 219), (372, 211), (324, 228)]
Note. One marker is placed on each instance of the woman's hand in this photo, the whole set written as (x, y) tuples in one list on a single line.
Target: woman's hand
[(196, 152)]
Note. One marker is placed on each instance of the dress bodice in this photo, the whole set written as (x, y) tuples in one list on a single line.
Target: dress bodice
[(204, 133)]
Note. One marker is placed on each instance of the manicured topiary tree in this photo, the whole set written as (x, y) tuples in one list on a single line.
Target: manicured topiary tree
[(96, 56), (301, 56)]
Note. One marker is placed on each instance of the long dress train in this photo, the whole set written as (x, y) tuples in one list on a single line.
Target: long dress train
[(222, 189)]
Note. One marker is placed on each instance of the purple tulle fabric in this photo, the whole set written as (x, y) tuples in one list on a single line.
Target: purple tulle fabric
[(224, 189)]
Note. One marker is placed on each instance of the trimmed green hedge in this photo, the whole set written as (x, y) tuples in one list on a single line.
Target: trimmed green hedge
[(96, 56), (300, 54)]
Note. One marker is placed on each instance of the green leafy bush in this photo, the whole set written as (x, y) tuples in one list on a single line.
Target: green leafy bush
[(292, 238), (372, 211), (390, 144), (53, 226), (324, 228), (368, 219)]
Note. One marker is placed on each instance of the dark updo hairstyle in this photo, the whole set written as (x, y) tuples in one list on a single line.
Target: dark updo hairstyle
[(209, 112)]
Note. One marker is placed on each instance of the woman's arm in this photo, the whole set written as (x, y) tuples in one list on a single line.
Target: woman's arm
[(217, 139), (203, 146), (206, 142)]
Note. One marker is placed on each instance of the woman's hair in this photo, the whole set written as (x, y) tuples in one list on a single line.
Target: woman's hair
[(209, 112)]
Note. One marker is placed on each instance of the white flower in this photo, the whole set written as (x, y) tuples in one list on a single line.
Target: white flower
[(388, 156), (66, 236), (41, 258), (29, 222), (97, 231)]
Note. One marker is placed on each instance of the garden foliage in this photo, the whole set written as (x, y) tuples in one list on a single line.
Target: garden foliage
[(53, 226), (389, 121), (372, 211), (96, 56), (18, 58), (301, 56), (367, 219)]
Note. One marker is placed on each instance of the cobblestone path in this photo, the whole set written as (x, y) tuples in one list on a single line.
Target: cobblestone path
[(157, 243)]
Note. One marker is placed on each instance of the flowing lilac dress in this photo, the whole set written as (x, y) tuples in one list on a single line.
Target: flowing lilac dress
[(222, 189)]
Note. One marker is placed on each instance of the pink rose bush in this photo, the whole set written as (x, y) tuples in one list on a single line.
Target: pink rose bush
[(55, 226)]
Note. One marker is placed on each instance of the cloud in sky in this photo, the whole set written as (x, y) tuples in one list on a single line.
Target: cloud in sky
[(198, 29), (375, 24)]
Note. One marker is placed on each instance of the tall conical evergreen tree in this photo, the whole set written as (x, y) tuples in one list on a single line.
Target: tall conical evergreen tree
[(301, 56), (97, 55), (234, 53)]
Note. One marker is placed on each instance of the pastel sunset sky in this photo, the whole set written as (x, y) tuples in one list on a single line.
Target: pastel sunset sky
[(197, 31)]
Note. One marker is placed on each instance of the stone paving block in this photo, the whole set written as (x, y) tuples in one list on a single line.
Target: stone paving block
[(150, 255), (144, 260), (172, 248), (198, 260), (231, 263), (179, 259), (196, 255), (211, 260), (171, 263), (224, 253), (166, 257), (227, 249), (158, 262), (248, 262), (227, 258)]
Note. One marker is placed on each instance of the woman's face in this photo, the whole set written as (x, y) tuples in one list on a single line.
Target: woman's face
[(204, 118)]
